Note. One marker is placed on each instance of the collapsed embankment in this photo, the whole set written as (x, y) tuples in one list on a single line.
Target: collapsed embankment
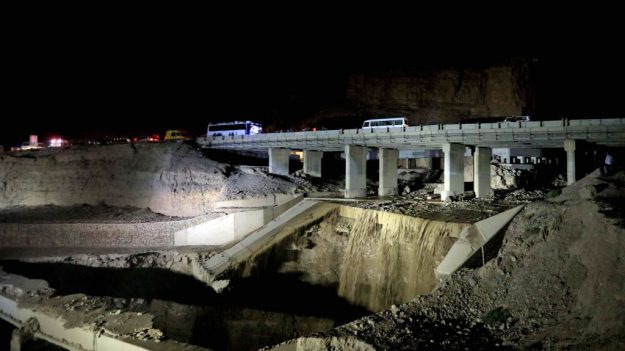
[(556, 283), (371, 258)]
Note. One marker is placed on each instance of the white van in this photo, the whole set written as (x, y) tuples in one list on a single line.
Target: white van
[(518, 119), (392, 122)]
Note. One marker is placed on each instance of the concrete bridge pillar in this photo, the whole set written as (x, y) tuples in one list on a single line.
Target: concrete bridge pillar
[(312, 163), (279, 161), (388, 172), (454, 170), (481, 171), (569, 147), (355, 171)]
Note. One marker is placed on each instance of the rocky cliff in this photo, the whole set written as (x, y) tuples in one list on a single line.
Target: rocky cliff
[(444, 95)]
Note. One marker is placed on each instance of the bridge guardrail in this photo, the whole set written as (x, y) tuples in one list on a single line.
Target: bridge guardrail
[(483, 132)]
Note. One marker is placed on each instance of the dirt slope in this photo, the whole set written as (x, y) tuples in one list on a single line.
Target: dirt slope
[(558, 281), (169, 178)]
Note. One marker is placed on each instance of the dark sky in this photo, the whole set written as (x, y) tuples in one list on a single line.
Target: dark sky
[(133, 85), (107, 80)]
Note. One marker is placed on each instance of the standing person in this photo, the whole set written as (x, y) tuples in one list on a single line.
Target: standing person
[(607, 164)]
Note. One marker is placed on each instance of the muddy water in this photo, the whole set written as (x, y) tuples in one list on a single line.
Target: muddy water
[(372, 259), (253, 313), (390, 258)]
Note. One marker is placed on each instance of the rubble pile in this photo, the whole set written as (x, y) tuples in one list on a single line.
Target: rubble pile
[(524, 196), (504, 177)]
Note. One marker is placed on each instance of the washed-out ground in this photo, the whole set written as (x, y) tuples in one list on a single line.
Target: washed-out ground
[(553, 279), (556, 282)]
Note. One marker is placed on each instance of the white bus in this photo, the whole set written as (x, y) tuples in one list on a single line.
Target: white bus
[(391, 122), (234, 128)]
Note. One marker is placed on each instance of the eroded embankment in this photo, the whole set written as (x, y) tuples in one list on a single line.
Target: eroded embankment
[(556, 283)]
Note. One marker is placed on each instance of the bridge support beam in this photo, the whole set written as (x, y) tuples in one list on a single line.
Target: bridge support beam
[(454, 170), (481, 171), (569, 147), (355, 171), (388, 172), (279, 161), (312, 163)]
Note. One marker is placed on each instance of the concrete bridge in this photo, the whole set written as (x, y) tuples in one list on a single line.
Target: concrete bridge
[(451, 138)]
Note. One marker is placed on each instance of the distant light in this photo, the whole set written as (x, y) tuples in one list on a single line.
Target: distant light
[(299, 154), (56, 142)]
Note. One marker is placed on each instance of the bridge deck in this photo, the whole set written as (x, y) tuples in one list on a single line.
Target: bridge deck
[(539, 134)]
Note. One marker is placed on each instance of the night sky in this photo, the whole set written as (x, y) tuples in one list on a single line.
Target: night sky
[(110, 82)]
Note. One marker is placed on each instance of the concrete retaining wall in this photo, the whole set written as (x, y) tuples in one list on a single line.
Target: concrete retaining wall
[(236, 225), (298, 216), (222, 230), (472, 239)]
